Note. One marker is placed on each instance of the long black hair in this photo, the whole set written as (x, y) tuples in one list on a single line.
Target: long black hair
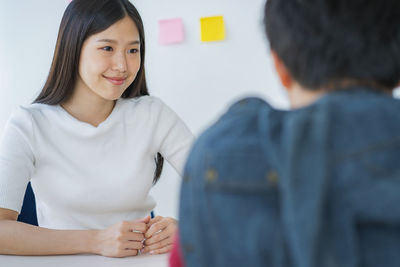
[(81, 19)]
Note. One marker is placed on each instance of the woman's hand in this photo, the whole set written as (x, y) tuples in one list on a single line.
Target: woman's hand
[(160, 235), (122, 239)]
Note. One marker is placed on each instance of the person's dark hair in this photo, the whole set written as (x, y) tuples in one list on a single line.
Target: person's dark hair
[(331, 44), (81, 19)]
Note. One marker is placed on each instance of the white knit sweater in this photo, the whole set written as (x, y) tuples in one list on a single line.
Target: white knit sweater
[(87, 177)]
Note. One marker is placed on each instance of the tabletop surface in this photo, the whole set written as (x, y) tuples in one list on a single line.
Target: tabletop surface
[(84, 260)]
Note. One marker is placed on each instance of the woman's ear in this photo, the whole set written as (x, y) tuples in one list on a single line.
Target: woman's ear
[(283, 73)]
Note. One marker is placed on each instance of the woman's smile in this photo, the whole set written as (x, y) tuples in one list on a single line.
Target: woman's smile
[(116, 80)]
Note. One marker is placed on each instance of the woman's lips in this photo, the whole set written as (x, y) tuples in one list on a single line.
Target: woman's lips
[(116, 80)]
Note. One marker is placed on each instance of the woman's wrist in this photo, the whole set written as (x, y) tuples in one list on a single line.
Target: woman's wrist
[(89, 242)]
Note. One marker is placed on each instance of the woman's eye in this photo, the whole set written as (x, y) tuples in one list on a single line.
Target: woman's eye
[(107, 48), (133, 51)]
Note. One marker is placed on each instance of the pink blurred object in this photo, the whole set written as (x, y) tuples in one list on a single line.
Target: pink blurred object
[(171, 31), (175, 257)]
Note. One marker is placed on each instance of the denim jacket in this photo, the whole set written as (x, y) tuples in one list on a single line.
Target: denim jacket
[(317, 186)]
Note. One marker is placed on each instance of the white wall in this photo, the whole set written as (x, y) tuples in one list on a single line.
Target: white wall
[(198, 80)]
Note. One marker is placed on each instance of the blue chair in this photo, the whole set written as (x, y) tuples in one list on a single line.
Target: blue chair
[(28, 212)]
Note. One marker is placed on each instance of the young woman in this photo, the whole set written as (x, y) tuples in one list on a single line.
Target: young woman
[(92, 144)]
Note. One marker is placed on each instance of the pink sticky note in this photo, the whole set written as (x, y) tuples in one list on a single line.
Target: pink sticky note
[(170, 31)]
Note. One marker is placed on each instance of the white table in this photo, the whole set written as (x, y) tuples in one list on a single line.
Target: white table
[(83, 261)]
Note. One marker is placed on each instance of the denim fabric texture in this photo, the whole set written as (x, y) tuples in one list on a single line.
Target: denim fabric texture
[(317, 186)]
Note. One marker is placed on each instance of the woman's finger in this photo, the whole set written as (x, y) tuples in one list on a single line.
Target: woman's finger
[(138, 227), (133, 236), (161, 250), (144, 220), (157, 237), (163, 243), (132, 226), (154, 220), (158, 226), (132, 245)]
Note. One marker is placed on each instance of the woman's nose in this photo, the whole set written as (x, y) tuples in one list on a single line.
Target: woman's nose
[(119, 62)]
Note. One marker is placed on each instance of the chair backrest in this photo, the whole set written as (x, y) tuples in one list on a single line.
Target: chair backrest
[(28, 212)]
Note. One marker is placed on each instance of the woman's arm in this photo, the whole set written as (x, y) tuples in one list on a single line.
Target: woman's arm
[(119, 240), (173, 140)]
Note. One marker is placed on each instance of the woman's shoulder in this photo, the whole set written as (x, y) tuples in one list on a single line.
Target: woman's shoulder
[(35, 112), (27, 112), (24, 117)]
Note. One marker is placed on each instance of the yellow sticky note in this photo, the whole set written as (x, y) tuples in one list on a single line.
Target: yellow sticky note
[(212, 29)]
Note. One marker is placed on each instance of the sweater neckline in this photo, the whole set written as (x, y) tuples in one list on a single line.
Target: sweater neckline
[(107, 121)]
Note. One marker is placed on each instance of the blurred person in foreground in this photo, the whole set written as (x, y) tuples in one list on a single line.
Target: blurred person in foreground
[(318, 185)]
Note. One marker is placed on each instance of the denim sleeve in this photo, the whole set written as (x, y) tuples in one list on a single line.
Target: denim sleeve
[(190, 221), (229, 212)]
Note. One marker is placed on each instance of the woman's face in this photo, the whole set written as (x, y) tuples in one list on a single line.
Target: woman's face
[(110, 60)]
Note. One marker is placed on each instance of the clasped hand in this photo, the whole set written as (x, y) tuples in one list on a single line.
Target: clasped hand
[(129, 238)]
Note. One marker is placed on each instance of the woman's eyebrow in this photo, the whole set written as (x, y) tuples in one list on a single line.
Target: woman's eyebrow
[(115, 42)]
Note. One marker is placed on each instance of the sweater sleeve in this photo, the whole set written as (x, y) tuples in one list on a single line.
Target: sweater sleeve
[(172, 135), (16, 160)]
